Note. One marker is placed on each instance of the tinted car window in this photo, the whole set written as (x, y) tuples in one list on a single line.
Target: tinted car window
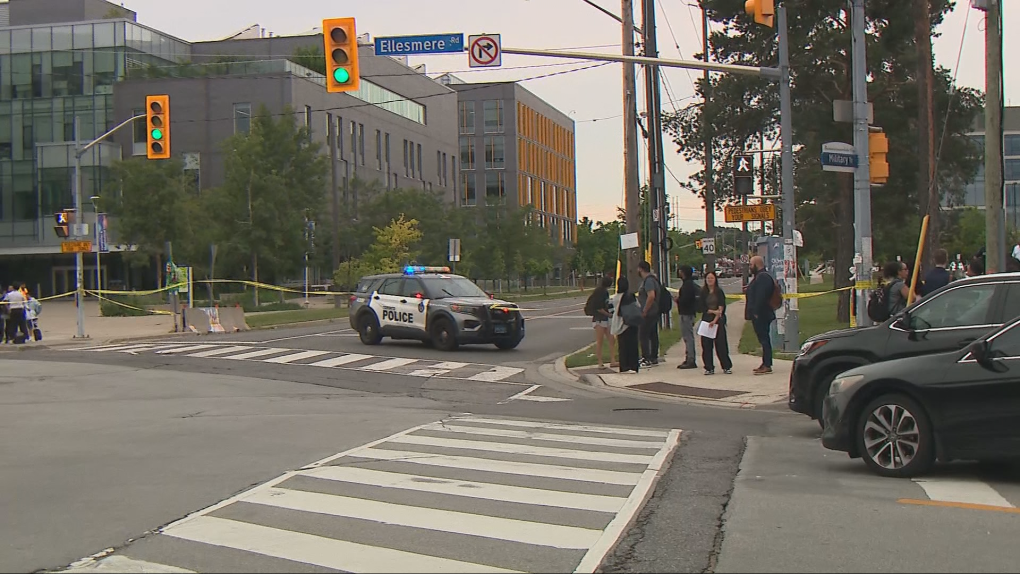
[(961, 307), (1006, 344), (368, 285), (1011, 306), (411, 288), (391, 287), (442, 287)]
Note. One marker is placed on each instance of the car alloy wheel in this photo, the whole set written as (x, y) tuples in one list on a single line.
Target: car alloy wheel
[(895, 437)]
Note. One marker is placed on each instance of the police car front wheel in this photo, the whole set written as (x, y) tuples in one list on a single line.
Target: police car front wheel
[(444, 337)]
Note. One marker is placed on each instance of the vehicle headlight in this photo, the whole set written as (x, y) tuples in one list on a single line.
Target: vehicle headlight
[(811, 346), (844, 383)]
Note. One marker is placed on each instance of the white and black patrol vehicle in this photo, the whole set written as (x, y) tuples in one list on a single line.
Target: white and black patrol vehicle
[(431, 305)]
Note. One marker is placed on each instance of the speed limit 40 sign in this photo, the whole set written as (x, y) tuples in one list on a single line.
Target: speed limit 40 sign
[(708, 246)]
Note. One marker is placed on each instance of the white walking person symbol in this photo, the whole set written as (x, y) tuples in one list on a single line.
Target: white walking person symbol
[(743, 165)]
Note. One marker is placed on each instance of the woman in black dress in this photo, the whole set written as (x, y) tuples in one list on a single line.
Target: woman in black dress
[(627, 338), (713, 303)]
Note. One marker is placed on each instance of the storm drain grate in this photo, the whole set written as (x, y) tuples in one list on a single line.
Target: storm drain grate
[(671, 389)]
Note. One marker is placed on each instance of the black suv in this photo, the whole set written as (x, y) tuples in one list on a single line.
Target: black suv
[(948, 319)]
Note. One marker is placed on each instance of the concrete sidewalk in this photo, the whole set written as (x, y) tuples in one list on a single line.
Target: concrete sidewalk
[(741, 389), (59, 324)]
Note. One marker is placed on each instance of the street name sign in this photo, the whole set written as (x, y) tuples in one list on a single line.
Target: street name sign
[(484, 51), (741, 213), (76, 247), (839, 156), (408, 45)]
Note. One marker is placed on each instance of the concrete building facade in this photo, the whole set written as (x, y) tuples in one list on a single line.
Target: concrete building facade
[(516, 147), (974, 192)]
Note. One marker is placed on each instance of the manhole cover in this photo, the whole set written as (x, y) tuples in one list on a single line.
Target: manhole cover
[(671, 389)]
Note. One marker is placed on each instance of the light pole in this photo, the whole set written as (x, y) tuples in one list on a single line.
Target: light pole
[(99, 275)]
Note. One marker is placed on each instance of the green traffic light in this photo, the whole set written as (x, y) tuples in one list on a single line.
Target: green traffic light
[(341, 75), (157, 134)]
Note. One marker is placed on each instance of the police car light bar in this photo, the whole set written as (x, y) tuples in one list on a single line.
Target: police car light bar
[(412, 269)]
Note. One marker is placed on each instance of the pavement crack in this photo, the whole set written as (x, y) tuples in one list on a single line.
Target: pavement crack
[(720, 533)]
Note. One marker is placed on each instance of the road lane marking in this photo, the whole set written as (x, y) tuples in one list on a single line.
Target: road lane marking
[(220, 351), (341, 360), (543, 399), (509, 529), (325, 334), (469, 488), (505, 467), (389, 364), (636, 500), (496, 374), (524, 449), (962, 491), (557, 426), (521, 394), (258, 353), (184, 349), (294, 357), (961, 505), (317, 550), (575, 439)]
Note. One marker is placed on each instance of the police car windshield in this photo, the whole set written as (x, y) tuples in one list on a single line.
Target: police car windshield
[(445, 287)]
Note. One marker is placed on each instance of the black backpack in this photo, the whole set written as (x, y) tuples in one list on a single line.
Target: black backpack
[(589, 306), (878, 305), (665, 300)]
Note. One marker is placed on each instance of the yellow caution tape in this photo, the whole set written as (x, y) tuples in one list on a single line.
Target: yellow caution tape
[(126, 306)]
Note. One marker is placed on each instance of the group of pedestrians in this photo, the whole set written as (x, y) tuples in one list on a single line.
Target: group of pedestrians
[(631, 320), (19, 316)]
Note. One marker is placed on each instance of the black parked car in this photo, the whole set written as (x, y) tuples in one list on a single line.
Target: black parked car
[(947, 320), (902, 415)]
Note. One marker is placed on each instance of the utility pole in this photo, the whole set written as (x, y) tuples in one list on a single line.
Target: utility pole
[(79, 257), (927, 184), (862, 176), (995, 237), (790, 324), (632, 187), (709, 176), (656, 155)]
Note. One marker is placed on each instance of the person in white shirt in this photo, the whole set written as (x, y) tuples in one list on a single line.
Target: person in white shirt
[(16, 303)]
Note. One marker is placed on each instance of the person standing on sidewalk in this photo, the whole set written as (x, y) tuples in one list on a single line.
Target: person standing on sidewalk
[(648, 298), (713, 301), (760, 312), (16, 303), (601, 307), (686, 306), (626, 336)]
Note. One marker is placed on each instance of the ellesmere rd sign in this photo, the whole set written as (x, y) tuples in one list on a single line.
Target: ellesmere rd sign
[(408, 45)]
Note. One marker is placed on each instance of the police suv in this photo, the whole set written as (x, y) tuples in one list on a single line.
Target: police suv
[(433, 306)]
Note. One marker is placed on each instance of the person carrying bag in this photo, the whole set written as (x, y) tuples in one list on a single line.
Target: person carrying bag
[(712, 302), (627, 319)]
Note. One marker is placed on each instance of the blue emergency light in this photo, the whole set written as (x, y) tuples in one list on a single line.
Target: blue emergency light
[(412, 269)]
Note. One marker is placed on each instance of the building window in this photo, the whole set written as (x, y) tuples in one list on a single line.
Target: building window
[(421, 165), (530, 199), (493, 110), (410, 154), (1010, 145), (495, 184), (339, 131), (467, 153), (354, 143), (470, 194), (439, 167), (139, 135), (494, 152), (445, 184), (242, 118), (405, 159), (1011, 170), (308, 118), (361, 142), (378, 150), (387, 151), (467, 117)]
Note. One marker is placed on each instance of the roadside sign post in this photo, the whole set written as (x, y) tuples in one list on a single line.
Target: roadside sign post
[(454, 253)]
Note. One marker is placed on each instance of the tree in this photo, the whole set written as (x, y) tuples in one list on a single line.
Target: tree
[(155, 204), (744, 109), (394, 247), (275, 177)]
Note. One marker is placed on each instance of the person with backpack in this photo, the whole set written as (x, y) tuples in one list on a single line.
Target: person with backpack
[(650, 299), (600, 308), (626, 332), (686, 307), (896, 290), (760, 309)]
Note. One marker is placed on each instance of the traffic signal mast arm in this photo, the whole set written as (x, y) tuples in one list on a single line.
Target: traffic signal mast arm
[(770, 73), (81, 151)]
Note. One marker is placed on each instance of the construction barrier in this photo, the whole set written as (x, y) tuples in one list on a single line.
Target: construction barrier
[(215, 319)]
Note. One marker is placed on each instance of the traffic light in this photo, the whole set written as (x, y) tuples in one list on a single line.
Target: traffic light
[(63, 221), (878, 147), (764, 11), (697, 243), (341, 42), (157, 111)]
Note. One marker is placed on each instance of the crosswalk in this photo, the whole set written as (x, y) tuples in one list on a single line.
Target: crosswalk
[(323, 359), (463, 494)]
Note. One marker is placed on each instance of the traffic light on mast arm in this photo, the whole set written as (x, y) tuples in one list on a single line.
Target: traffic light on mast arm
[(764, 11), (341, 49), (878, 147), (157, 123)]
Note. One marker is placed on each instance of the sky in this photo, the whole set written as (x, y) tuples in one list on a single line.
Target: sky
[(592, 97)]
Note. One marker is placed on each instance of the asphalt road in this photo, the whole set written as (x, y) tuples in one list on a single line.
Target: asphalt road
[(177, 462)]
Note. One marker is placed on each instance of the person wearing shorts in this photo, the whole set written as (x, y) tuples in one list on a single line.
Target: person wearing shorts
[(603, 312)]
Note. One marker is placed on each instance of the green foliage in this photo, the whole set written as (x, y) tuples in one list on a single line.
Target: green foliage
[(310, 57), (395, 246), (966, 233), (129, 306)]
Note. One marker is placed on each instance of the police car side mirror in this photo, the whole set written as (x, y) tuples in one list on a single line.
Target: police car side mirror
[(419, 296)]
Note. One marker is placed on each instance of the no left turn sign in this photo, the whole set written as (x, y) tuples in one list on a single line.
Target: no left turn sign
[(484, 51)]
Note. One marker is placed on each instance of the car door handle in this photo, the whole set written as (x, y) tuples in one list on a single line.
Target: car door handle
[(376, 297), (403, 300)]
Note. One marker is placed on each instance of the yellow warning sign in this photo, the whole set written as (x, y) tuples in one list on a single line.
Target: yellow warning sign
[(76, 247), (740, 213)]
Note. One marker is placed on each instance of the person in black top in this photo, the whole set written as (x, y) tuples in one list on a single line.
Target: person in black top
[(760, 312), (686, 306), (713, 303), (630, 353), (602, 306), (938, 277)]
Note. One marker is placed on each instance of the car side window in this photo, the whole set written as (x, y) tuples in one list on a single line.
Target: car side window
[(391, 287), (411, 288), (1011, 304), (1006, 344), (962, 307)]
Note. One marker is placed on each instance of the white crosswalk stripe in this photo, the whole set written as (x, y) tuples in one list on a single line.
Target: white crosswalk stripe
[(327, 359), (416, 502)]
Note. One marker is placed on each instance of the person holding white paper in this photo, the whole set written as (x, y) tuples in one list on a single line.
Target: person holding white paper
[(713, 305)]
